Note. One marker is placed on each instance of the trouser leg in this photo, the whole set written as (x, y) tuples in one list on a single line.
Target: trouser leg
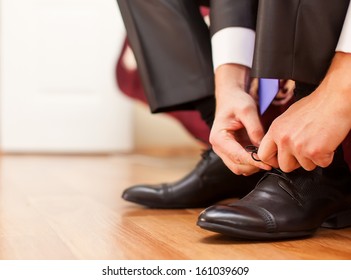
[(171, 43)]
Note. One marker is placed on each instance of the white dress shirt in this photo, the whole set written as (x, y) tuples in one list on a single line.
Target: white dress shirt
[(233, 45), (344, 44)]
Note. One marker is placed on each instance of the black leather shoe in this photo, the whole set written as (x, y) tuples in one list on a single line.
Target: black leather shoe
[(284, 205), (209, 182)]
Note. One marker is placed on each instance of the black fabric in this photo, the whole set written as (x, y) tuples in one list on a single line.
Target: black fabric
[(172, 46), (206, 107), (302, 90), (233, 13), (205, 3), (171, 43), (296, 39)]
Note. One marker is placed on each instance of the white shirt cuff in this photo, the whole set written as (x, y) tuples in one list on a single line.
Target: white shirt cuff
[(344, 44), (233, 45)]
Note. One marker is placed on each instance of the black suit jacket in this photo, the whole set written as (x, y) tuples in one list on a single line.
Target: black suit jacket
[(296, 39)]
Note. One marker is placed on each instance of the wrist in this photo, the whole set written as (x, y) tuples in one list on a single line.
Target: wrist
[(232, 76), (339, 71), (336, 86)]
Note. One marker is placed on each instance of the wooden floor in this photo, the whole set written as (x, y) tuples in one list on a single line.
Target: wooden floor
[(69, 207)]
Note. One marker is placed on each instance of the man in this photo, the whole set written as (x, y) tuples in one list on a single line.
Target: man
[(312, 188), (172, 46)]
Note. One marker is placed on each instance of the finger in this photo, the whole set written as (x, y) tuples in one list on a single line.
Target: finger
[(273, 161), (244, 158), (283, 101), (287, 162), (253, 91), (282, 83), (267, 151), (286, 86), (285, 93), (323, 161), (290, 85), (236, 167), (280, 95), (253, 127), (239, 169), (306, 163), (233, 153), (279, 102)]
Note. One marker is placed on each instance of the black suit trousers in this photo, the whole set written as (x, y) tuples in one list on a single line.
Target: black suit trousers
[(171, 43)]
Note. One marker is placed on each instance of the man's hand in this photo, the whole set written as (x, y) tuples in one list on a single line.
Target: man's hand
[(309, 132), (237, 122)]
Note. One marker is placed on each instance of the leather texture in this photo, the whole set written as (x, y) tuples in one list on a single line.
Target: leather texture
[(285, 205), (209, 182)]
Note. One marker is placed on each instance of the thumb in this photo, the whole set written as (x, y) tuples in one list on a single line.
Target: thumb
[(253, 128)]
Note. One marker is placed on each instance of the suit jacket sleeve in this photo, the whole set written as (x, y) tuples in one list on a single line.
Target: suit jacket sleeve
[(232, 31)]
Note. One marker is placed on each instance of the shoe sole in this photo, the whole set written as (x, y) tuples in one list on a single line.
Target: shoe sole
[(253, 235), (337, 221), (166, 206)]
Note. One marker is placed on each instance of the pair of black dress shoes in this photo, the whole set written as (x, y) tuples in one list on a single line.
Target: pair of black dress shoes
[(274, 205)]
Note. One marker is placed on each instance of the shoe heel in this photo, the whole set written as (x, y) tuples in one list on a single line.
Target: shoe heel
[(339, 220)]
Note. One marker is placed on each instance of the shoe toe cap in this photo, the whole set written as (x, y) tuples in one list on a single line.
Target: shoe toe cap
[(236, 218), (143, 194)]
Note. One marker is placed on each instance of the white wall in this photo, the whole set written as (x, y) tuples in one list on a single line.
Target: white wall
[(57, 79)]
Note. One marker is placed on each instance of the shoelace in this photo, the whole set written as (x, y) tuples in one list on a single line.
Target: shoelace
[(278, 172)]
